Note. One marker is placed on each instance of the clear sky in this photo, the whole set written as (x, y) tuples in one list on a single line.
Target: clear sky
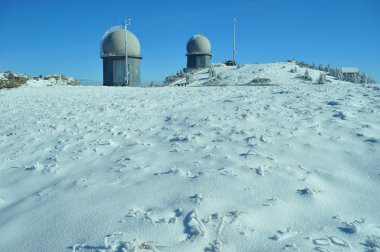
[(63, 37)]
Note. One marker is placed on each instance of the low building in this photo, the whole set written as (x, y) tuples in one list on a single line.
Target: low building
[(350, 73)]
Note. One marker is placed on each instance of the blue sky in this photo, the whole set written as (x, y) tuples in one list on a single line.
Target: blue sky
[(54, 37)]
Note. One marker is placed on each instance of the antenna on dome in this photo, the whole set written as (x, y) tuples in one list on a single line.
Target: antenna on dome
[(234, 47), (126, 24)]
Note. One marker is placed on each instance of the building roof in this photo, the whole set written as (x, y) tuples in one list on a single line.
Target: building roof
[(198, 44), (350, 70), (113, 43)]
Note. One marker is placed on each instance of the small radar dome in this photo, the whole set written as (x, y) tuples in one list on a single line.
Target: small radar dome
[(113, 43), (198, 44)]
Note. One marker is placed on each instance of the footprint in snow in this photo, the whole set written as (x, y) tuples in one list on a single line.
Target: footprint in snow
[(349, 228), (333, 103), (260, 171), (197, 198), (263, 139), (180, 172), (340, 115), (179, 138), (119, 242), (193, 227), (307, 192), (141, 214), (322, 242), (270, 202), (339, 241), (179, 212), (292, 247), (36, 167), (248, 153), (371, 140), (372, 243), (283, 235), (215, 246), (321, 249), (82, 182), (359, 134)]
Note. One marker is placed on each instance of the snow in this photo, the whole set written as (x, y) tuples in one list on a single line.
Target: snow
[(279, 73), (293, 166), (49, 82)]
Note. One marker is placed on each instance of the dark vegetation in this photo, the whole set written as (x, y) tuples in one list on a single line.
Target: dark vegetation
[(12, 81)]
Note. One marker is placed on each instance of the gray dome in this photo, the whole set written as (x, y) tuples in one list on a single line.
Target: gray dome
[(113, 43), (198, 44)]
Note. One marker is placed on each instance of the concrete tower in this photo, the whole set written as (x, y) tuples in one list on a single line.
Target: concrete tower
[(198, 52), (113, 47)]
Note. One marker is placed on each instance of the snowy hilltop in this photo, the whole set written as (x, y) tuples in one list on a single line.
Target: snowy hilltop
[(10, 80), (279, 165), (279, 73)]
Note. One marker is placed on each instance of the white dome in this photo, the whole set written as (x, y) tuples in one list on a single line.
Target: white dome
[(113, 43), (198, 44)]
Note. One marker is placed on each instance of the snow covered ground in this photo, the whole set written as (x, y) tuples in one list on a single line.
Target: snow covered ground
[(263, 168), (50, 81), (278, 73), (26, 81)]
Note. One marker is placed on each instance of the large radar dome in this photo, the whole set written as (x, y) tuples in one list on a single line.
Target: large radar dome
[(113, 43), (198, 44)]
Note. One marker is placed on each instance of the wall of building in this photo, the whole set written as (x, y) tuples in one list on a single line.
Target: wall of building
[(198, 60), (134, 72), (114, 71), (107, 72)]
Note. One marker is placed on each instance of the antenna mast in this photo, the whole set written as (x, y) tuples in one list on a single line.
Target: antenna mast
[(234, 48), (126, 24)]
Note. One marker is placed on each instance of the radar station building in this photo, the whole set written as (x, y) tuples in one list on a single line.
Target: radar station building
[(198, 52), (116, 71)]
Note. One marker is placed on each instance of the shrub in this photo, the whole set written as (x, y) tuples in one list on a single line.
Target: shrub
[(13, 81), (73, 82), (306, 76), (260, 81), (322, 78), (294, 70), (212, 73), (171, 78), (189, 78), (217, 81)]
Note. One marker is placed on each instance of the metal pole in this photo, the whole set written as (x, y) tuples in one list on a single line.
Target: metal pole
[(126, 52), (234, 49)]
